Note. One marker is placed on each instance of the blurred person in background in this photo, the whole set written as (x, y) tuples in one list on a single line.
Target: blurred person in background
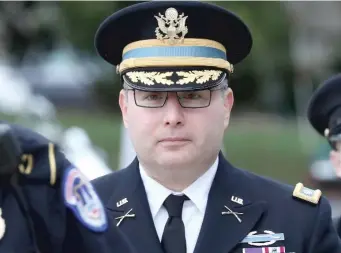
[(46, 204), (324, 114), (322, 175), (180, 194)]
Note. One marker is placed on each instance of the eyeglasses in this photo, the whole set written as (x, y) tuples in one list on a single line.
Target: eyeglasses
[(187, 99)]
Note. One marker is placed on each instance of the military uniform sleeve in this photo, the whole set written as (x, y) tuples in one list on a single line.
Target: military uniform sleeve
[(80, 239), (67, 213), (324, 237), (338, 226), (88, 228)]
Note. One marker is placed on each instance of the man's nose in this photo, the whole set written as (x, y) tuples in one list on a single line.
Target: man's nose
[(173, 115)]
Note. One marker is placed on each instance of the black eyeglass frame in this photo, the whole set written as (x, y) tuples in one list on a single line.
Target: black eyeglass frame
[(218, 87)]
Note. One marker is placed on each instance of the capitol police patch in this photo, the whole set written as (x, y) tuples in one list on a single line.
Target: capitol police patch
[(82, 199)]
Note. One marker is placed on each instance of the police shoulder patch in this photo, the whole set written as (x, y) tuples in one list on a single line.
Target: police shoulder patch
[(307, 194), (81, 197)]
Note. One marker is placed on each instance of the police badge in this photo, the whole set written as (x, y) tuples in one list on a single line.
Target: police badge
[(82, 199)]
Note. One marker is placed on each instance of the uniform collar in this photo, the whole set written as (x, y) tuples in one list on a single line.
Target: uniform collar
[(197, 192)]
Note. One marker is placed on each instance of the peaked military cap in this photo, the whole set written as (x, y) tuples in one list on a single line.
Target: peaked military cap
[(173, 45), (324, 109)]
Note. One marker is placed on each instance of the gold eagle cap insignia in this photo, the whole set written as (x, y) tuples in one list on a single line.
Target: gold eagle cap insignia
[(171, 26), (307, 194)]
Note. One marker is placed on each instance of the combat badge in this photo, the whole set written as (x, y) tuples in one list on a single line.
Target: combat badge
[(265, 239), (82, 199), (307, 194)]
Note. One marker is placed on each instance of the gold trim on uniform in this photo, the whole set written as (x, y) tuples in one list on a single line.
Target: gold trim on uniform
[(26, 159), (175, 62), (198, 76), (307, 194), (151, 78), (186, 42), (53, 165)]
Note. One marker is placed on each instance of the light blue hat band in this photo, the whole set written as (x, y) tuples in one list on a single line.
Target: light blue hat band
[(175, 51)]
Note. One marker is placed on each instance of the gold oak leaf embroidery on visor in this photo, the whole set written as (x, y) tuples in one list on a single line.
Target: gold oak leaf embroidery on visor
[(197, 76), (149, 78)]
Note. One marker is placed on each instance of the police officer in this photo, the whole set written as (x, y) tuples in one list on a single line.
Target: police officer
[(324, 114), (47, 205), (180, 194)]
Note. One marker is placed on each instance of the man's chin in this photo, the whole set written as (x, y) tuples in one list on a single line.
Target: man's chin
[(174, 157)]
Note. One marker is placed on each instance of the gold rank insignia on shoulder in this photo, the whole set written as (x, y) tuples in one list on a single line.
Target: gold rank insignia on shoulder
[(307, 194)]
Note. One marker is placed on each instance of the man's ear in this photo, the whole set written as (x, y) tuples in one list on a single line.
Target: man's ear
[(123, 102), (335, 159), (228, 104)]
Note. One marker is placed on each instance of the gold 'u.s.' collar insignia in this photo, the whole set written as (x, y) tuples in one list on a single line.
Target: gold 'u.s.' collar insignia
[(170, 26), (307, 194)]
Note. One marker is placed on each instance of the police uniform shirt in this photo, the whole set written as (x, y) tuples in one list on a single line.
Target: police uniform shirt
[(193, 210), (61, 211)]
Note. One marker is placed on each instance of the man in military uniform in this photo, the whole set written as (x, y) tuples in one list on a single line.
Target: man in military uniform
[(324, 114), (47, 205), (180, 194)]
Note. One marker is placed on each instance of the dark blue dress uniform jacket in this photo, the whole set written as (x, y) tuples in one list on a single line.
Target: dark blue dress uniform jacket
[(268, 207), (46, 177), (337, 222)]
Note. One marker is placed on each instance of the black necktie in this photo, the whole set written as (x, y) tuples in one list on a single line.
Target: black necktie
[(173, 238)]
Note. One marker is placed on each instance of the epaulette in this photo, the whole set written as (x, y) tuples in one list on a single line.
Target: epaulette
[(304, 193), (46, 158), (38, 159)]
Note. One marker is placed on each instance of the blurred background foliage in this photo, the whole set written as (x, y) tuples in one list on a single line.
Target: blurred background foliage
[(268, 133)]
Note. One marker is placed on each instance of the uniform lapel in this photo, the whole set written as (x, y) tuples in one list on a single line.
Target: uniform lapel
[(224, 232), (140, 229)]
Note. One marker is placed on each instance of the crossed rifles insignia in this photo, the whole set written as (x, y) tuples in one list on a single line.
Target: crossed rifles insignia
[(229, 211), (127, 215), (131, 215)]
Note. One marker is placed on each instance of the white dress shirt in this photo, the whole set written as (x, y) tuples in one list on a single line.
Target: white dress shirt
[(193, 210)]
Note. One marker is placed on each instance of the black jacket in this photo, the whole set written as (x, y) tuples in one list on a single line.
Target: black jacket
[(65, 212), (267, 206)]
